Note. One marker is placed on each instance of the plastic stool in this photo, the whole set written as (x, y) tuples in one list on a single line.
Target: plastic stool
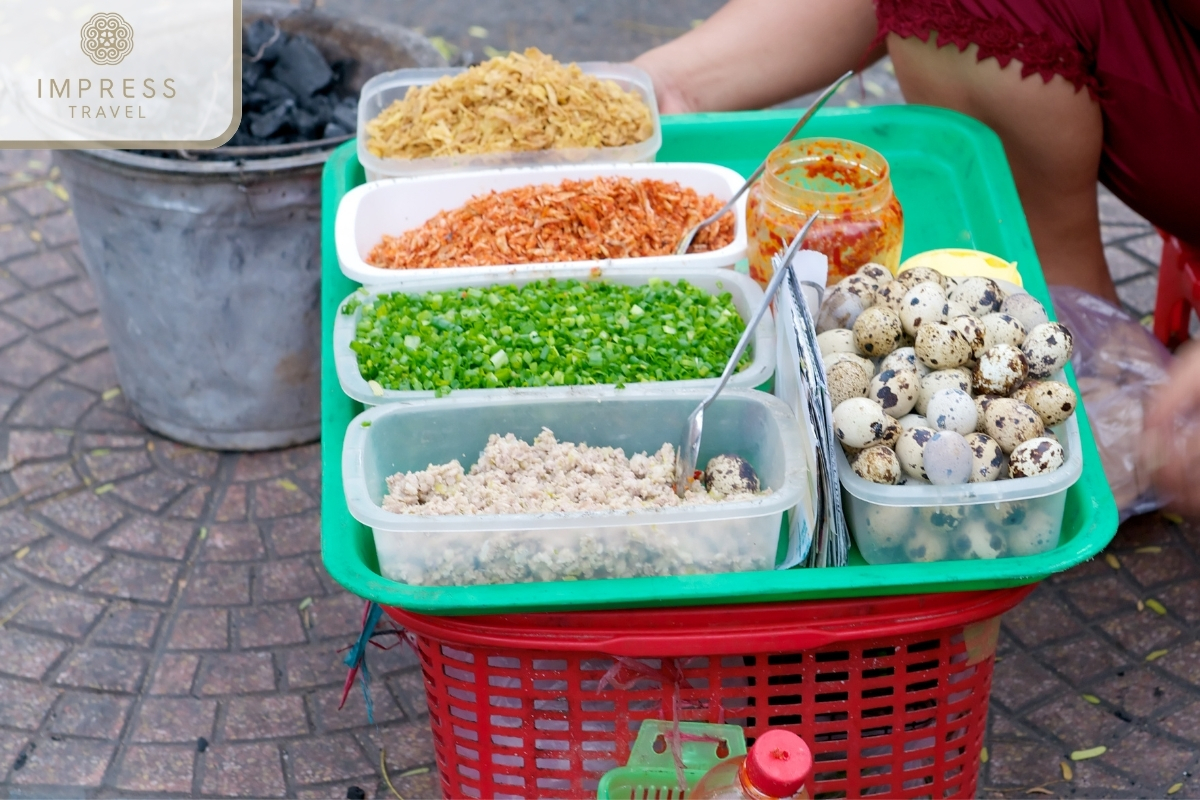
[(1178, 291)]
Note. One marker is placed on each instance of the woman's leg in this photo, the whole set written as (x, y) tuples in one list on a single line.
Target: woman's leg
[(1052, 135)]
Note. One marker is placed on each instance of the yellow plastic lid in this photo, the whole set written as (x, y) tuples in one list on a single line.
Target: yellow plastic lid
[(962, 263)]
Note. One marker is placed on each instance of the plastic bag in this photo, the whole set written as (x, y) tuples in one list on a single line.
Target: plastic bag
[(1118, 363)]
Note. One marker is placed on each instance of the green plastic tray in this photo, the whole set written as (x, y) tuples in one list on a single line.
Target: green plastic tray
[(650, 775), (953, 181)]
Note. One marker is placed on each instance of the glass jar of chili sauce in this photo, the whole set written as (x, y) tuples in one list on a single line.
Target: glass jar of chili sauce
[(847, 184)]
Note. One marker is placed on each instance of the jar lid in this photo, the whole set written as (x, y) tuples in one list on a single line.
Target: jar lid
[(779, 763), (960, 262)]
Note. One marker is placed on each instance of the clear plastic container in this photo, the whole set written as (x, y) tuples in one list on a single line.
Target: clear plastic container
[(921, 523), (368, 212), (746, 298), (760, 534), (382, 90)]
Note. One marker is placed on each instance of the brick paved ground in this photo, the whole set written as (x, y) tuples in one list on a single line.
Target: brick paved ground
[(153, 595)]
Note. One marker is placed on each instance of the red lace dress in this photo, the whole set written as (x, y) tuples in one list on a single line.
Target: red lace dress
[(1139, 58)]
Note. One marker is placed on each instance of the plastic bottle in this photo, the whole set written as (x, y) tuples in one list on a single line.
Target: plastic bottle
[(778, 765)]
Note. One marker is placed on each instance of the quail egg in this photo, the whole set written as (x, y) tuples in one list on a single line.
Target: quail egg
[(956, 308), (891, 433), (952, 410), (940, 346), (1048, 348), (904, 357), (860, 285), (893, 520), (859, 422), (987, 459), (1006, 515), (947, 459), (925, 302), (981, 404), (877, 332), (1022, 392), (1038, 534), (838, 340), (925, 546), (877, 464), (845, 380), (877, 273), (914, 275), (1035, 457), (1011, 422), (971, 329), (975, 540), (934, 382), (865, 364), (942, 519), (891, 295), (981, 295), (1025, 309), (1053, 401), (1003, 329), (839, 310), (909, 421), (911, 451), (728, 474), (895, 390), (1000, 370)]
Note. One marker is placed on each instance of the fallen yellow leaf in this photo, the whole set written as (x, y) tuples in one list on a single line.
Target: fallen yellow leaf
[(1141, 606), (1039, 790), (1156, 655), (1169, 517), (1149, 549), (1112, 561), (284, 483), (305, 603), (1175, 787), (109, 394), (1091, 698), (35, 235), (983, 756), (1067, 772), (24, 551), (1091, 752), (477, 32), (58, 191), (1155, 606), (203, 534), (105, 489)]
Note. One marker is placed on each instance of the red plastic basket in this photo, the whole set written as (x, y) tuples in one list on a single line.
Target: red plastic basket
[(891, 693)]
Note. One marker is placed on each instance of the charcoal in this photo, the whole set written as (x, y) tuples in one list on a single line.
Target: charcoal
[(274, 90), (272, 119), (301, 67), (254, 101), (265, 36), (319, 104), (345, 113), (342, 69), (333, 130), (251, 72), (306, 123)]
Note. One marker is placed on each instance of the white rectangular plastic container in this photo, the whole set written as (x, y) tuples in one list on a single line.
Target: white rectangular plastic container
[(524, 548), (918, 523), (391, 207), (382, 90), (747, 296)]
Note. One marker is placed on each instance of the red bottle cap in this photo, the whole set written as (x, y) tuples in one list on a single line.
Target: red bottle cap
[(779, 763)]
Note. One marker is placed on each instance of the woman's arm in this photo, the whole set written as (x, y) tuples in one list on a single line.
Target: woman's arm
[(756, 53)]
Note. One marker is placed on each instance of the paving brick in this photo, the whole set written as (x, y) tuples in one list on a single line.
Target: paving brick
[(30, 445), (192, 462), (409, 689), (336, 616), (110, 465), (84, 514), (11, 745), (1139, 294), (1139, 633), (105, 669), (134, 579), (1123, 265), (273, 500), (354, 713), (174, 674), (1153, 569), (1083, 658), (265, 717), (1184, 662), (233, 542), (97, 373), (1141, 692), (17, 531), (37, 200), (260, 466), (59, 229), (1018, 681), (53, 404), (148, 536), (268, 626), (408, 745), (80, 337), (293, 579), (219, 585), (314, 666), (36, 310), (40, 270), (24, 705), (68, 762), (95, 716), (15, 242), (1078, 723), (200, 629), (238, 673), (171, 719), (1154, 760), (27, 362), (9, 332), (1021, 764), (1039, 619), (330, 758), (295, 535), (59, 561), (233, 504), (105, 420), (77, 296), (157, 769), (244, 770), (191, 505), (1184, 723), (131, 627), (56, 612), (1148, 247), (152, 491), (46, 479), (8, 398)]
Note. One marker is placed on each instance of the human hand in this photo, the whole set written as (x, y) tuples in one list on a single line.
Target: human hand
[(670, 96), (1171, 445)]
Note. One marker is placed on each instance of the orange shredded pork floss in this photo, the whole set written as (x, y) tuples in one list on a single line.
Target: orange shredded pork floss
[(597, 218)]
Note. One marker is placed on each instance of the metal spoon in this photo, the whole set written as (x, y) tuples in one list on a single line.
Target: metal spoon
[(689, 450), (686, 241)]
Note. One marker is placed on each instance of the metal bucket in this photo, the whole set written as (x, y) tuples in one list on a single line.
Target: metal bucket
[(208, 271)]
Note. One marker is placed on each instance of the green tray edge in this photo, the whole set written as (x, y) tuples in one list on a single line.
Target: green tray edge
[(348, 551)]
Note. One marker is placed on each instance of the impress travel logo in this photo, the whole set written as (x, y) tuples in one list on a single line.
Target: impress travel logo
[(133, 73)]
